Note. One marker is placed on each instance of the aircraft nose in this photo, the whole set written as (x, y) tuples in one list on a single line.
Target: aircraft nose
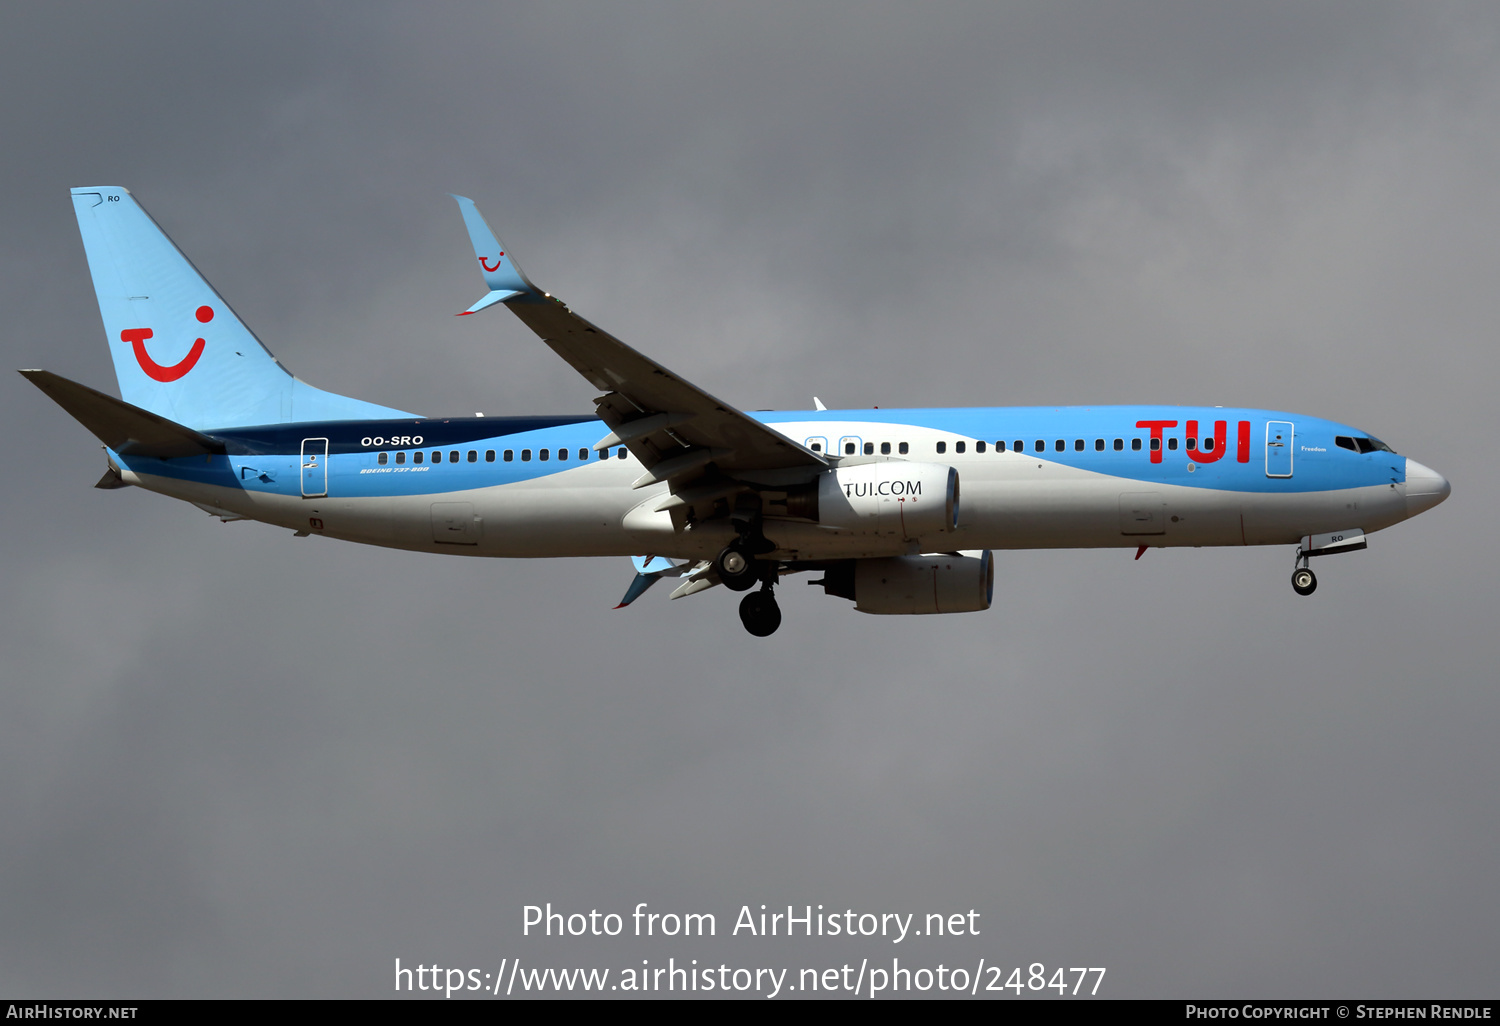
[(1425, 488)]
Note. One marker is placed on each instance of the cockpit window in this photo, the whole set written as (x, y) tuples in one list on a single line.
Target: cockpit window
[(1357, 444)]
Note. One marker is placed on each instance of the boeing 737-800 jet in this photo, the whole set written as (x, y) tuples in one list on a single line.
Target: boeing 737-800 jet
[(691, 487)]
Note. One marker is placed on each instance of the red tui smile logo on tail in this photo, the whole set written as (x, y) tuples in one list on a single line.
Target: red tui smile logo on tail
[(137, 339)]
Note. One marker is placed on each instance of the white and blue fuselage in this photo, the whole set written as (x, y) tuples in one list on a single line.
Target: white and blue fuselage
[(1114, 476), (899, 509)]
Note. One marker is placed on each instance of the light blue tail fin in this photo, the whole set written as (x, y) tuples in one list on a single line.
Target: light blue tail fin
[(179, 350)]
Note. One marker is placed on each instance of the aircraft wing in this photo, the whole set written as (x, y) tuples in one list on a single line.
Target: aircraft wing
[(681, 434)]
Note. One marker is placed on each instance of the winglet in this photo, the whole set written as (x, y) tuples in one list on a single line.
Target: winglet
[(490, 299), (501, 272)]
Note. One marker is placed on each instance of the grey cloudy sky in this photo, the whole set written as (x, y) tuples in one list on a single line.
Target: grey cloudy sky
[(237, 764)]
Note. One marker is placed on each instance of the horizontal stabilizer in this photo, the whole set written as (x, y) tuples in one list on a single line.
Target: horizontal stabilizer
[(111, 480), (128, 430)]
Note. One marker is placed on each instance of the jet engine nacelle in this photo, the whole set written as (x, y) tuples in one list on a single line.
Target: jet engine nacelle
[(905, 500), (944, 583)]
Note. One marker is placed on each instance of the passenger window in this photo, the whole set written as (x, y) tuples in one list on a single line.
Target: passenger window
[(959, 446), (1208, 444), (1120, 444), (452, 455), (1192, 443), (848, 448), (416, 457), (1135, 445), (903, 448), (489, 455), (1041, 445), (1078, 445), (885, 448), (1000, 446), (437, 457), (510, 455), (869, 448), (562, 454), (1098, 445), (1156, 445), (544, 454), (1172, 444), (473, 456), (1060, 445), (525, 455), (1020, 445), (382, 458), (942, 447), (816, 447), (583, 454), (979, 447), (400, 458), (620, 455)]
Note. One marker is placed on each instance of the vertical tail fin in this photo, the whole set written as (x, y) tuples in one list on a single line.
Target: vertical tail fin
[(179, 350)]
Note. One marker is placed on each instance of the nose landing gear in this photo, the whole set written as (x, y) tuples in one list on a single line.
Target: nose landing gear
[(1304, 581)]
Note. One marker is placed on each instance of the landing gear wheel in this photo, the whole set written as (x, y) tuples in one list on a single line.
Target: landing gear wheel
[(760, 614), (1303, 581), (737, 570)]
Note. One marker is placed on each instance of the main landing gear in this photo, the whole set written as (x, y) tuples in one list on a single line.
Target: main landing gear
[(739, 570), (759, 612)]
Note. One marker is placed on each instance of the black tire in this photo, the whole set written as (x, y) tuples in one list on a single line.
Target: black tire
[(760, 613), (737, 569), (1304, 581)]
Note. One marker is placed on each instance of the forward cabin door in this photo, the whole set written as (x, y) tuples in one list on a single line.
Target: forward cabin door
[(314, 468), (1279, 448)]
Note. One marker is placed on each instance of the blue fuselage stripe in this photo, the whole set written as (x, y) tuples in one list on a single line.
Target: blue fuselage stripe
[(269, 459)]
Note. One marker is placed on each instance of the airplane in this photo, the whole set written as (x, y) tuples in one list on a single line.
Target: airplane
[(688, 486)]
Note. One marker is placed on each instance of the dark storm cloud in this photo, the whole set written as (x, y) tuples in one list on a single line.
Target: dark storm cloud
[(238, 763)]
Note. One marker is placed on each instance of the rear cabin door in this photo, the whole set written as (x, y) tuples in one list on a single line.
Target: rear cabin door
[(314, 468), (1279, 448)]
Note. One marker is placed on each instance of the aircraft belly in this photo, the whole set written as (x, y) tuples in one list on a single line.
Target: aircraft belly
[(553, 521), (1014, 505), (1283, 519), (1081, 510)]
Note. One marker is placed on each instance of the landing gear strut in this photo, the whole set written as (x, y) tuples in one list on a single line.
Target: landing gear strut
[(759, 613)]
